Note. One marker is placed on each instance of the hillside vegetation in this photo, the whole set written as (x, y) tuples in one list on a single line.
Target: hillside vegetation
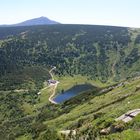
[(112, 53), (105, 56)]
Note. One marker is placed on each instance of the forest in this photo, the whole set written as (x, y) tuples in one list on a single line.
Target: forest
[(104, 54)]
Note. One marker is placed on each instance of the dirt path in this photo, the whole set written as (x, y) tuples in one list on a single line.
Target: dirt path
[(50, 72), (54, 86), (43, 89), (52, 95)]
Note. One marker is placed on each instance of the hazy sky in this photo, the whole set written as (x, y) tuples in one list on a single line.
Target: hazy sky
[(103, 12)]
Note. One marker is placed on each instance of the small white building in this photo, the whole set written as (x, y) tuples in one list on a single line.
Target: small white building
[(52, 82)]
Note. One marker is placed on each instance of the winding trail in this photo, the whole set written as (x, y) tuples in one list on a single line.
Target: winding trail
[(50, 72), (52, 95), (54, 86)]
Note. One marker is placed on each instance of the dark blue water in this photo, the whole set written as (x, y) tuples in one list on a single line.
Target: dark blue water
[(74, 91)]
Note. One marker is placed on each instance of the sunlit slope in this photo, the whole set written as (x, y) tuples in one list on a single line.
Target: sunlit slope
[(100, 111)]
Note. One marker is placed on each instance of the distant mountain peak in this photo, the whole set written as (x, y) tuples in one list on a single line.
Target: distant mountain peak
[(42, 17), (35, 21)]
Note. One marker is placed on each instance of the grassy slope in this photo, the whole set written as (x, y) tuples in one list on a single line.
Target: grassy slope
[(107, 107), (111, 105)]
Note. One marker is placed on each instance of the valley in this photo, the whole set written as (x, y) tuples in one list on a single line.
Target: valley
[(96, 79)]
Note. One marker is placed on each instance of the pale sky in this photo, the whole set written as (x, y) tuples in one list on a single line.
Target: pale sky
[(100, 12)]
